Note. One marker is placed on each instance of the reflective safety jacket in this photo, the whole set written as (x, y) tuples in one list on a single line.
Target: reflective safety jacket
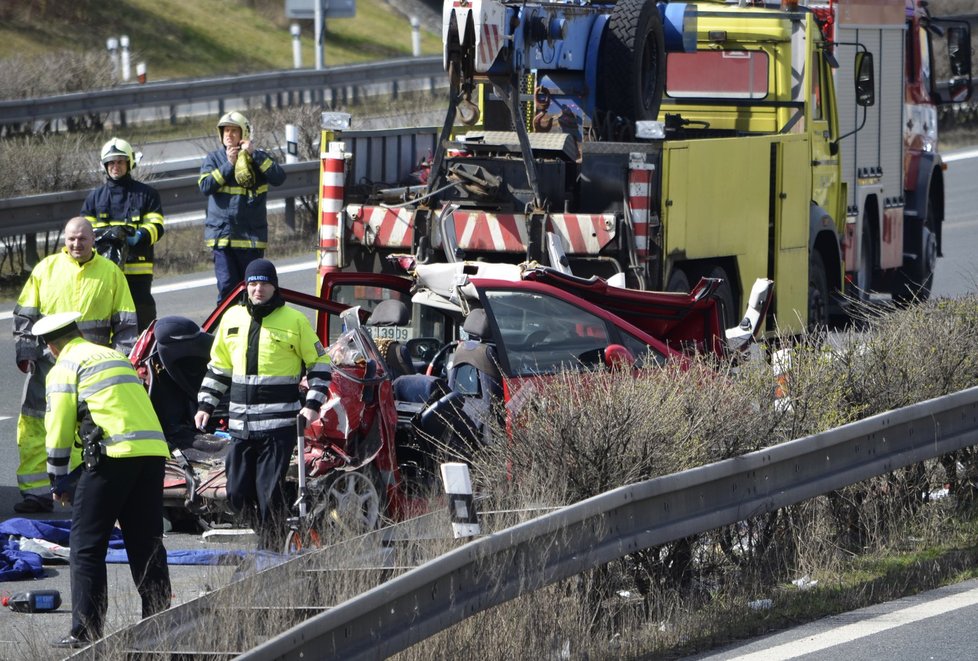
[(97, 289), (89, 380), (128, 203), (236, 216), (261, 362)]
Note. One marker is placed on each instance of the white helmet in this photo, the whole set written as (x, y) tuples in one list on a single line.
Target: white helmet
[(234, 118), (117, 147)]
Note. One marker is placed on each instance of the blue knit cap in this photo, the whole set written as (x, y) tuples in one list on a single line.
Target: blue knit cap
[(261, 270)]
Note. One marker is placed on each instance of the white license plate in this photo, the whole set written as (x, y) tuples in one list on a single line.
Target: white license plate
[(396, 333)]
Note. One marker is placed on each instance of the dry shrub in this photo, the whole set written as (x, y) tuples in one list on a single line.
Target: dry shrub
[(579, 435), (46, 163), (55, 73)]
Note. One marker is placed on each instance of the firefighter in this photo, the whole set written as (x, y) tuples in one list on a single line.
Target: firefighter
[(236, 178), (74, 279), (95, 399), (260, 351), (132, 208)]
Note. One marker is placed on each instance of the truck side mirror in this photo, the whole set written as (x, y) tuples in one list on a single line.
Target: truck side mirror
[(959, 50), (865, 79), (959, 58)]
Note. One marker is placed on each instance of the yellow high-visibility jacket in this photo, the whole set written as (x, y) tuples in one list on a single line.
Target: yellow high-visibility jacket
[(99, 380), (262, 362), (96, 289)]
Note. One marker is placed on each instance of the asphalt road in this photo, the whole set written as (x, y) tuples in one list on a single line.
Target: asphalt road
[(936, 625)]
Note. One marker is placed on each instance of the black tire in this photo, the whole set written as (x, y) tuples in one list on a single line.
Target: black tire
[(916, 277), (725, 293), (633, 61), (678, 281), (818, 295)]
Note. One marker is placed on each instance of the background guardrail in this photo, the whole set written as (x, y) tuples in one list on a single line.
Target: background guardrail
[(489, 571), (335, 84), (378, 156)]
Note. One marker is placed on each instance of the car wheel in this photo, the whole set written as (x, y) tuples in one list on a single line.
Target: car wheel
[(350, 502)]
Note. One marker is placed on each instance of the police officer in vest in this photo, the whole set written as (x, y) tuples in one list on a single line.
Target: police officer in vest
[(260, 352), (75, 279), (96, 400)]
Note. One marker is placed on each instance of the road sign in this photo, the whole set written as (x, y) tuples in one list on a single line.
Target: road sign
[(306, 9)]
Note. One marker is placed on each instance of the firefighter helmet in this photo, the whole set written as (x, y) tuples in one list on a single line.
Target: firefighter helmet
[(234, 118), (115, 148)]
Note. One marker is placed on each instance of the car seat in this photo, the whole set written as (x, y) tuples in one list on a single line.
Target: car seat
[(392, 312), (460, 419)]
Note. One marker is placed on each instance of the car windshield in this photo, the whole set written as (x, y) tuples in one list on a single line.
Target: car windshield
[(541, 334)]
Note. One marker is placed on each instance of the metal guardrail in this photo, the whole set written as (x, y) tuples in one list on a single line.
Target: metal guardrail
[(394, 75), (378, 156), (492, 570), (500, 567)]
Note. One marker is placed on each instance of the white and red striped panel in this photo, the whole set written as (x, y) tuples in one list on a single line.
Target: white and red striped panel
[(639, 203), (489, 46), (330, 208), (379, 226), (480, 231)]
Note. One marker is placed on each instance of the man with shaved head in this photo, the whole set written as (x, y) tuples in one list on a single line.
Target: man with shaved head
[(75, 279)]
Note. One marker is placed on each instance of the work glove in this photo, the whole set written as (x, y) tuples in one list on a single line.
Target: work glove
[(134, 238), (244, 170)]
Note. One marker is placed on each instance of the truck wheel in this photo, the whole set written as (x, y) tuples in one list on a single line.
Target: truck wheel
[(678, 281), (818, 295), (916, 277), (725, 294), (632, 61)]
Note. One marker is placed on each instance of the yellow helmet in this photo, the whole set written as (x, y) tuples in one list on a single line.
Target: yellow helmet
[(234, 118), (117, 147)]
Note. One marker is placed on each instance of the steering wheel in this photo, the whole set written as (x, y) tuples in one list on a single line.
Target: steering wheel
[(536, 337), (437, 364)]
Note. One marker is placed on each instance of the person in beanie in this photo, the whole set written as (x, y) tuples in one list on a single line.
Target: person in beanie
[(235, 179), (260, 353)]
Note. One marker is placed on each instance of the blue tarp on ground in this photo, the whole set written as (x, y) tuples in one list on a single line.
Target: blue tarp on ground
[(17, 565)]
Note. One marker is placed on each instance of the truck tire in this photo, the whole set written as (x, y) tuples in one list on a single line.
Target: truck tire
[(916, 277), (725, 294), (818, 295), (678, 281), (632, 61)]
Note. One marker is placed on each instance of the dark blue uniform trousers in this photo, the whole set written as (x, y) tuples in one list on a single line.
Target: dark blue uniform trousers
[(128, 490), (256, 468), (230, 265)]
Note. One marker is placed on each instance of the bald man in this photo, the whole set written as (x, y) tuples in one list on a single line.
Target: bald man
[(75, 279)]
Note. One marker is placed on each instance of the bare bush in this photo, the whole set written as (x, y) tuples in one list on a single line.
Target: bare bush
[(579, 435)]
